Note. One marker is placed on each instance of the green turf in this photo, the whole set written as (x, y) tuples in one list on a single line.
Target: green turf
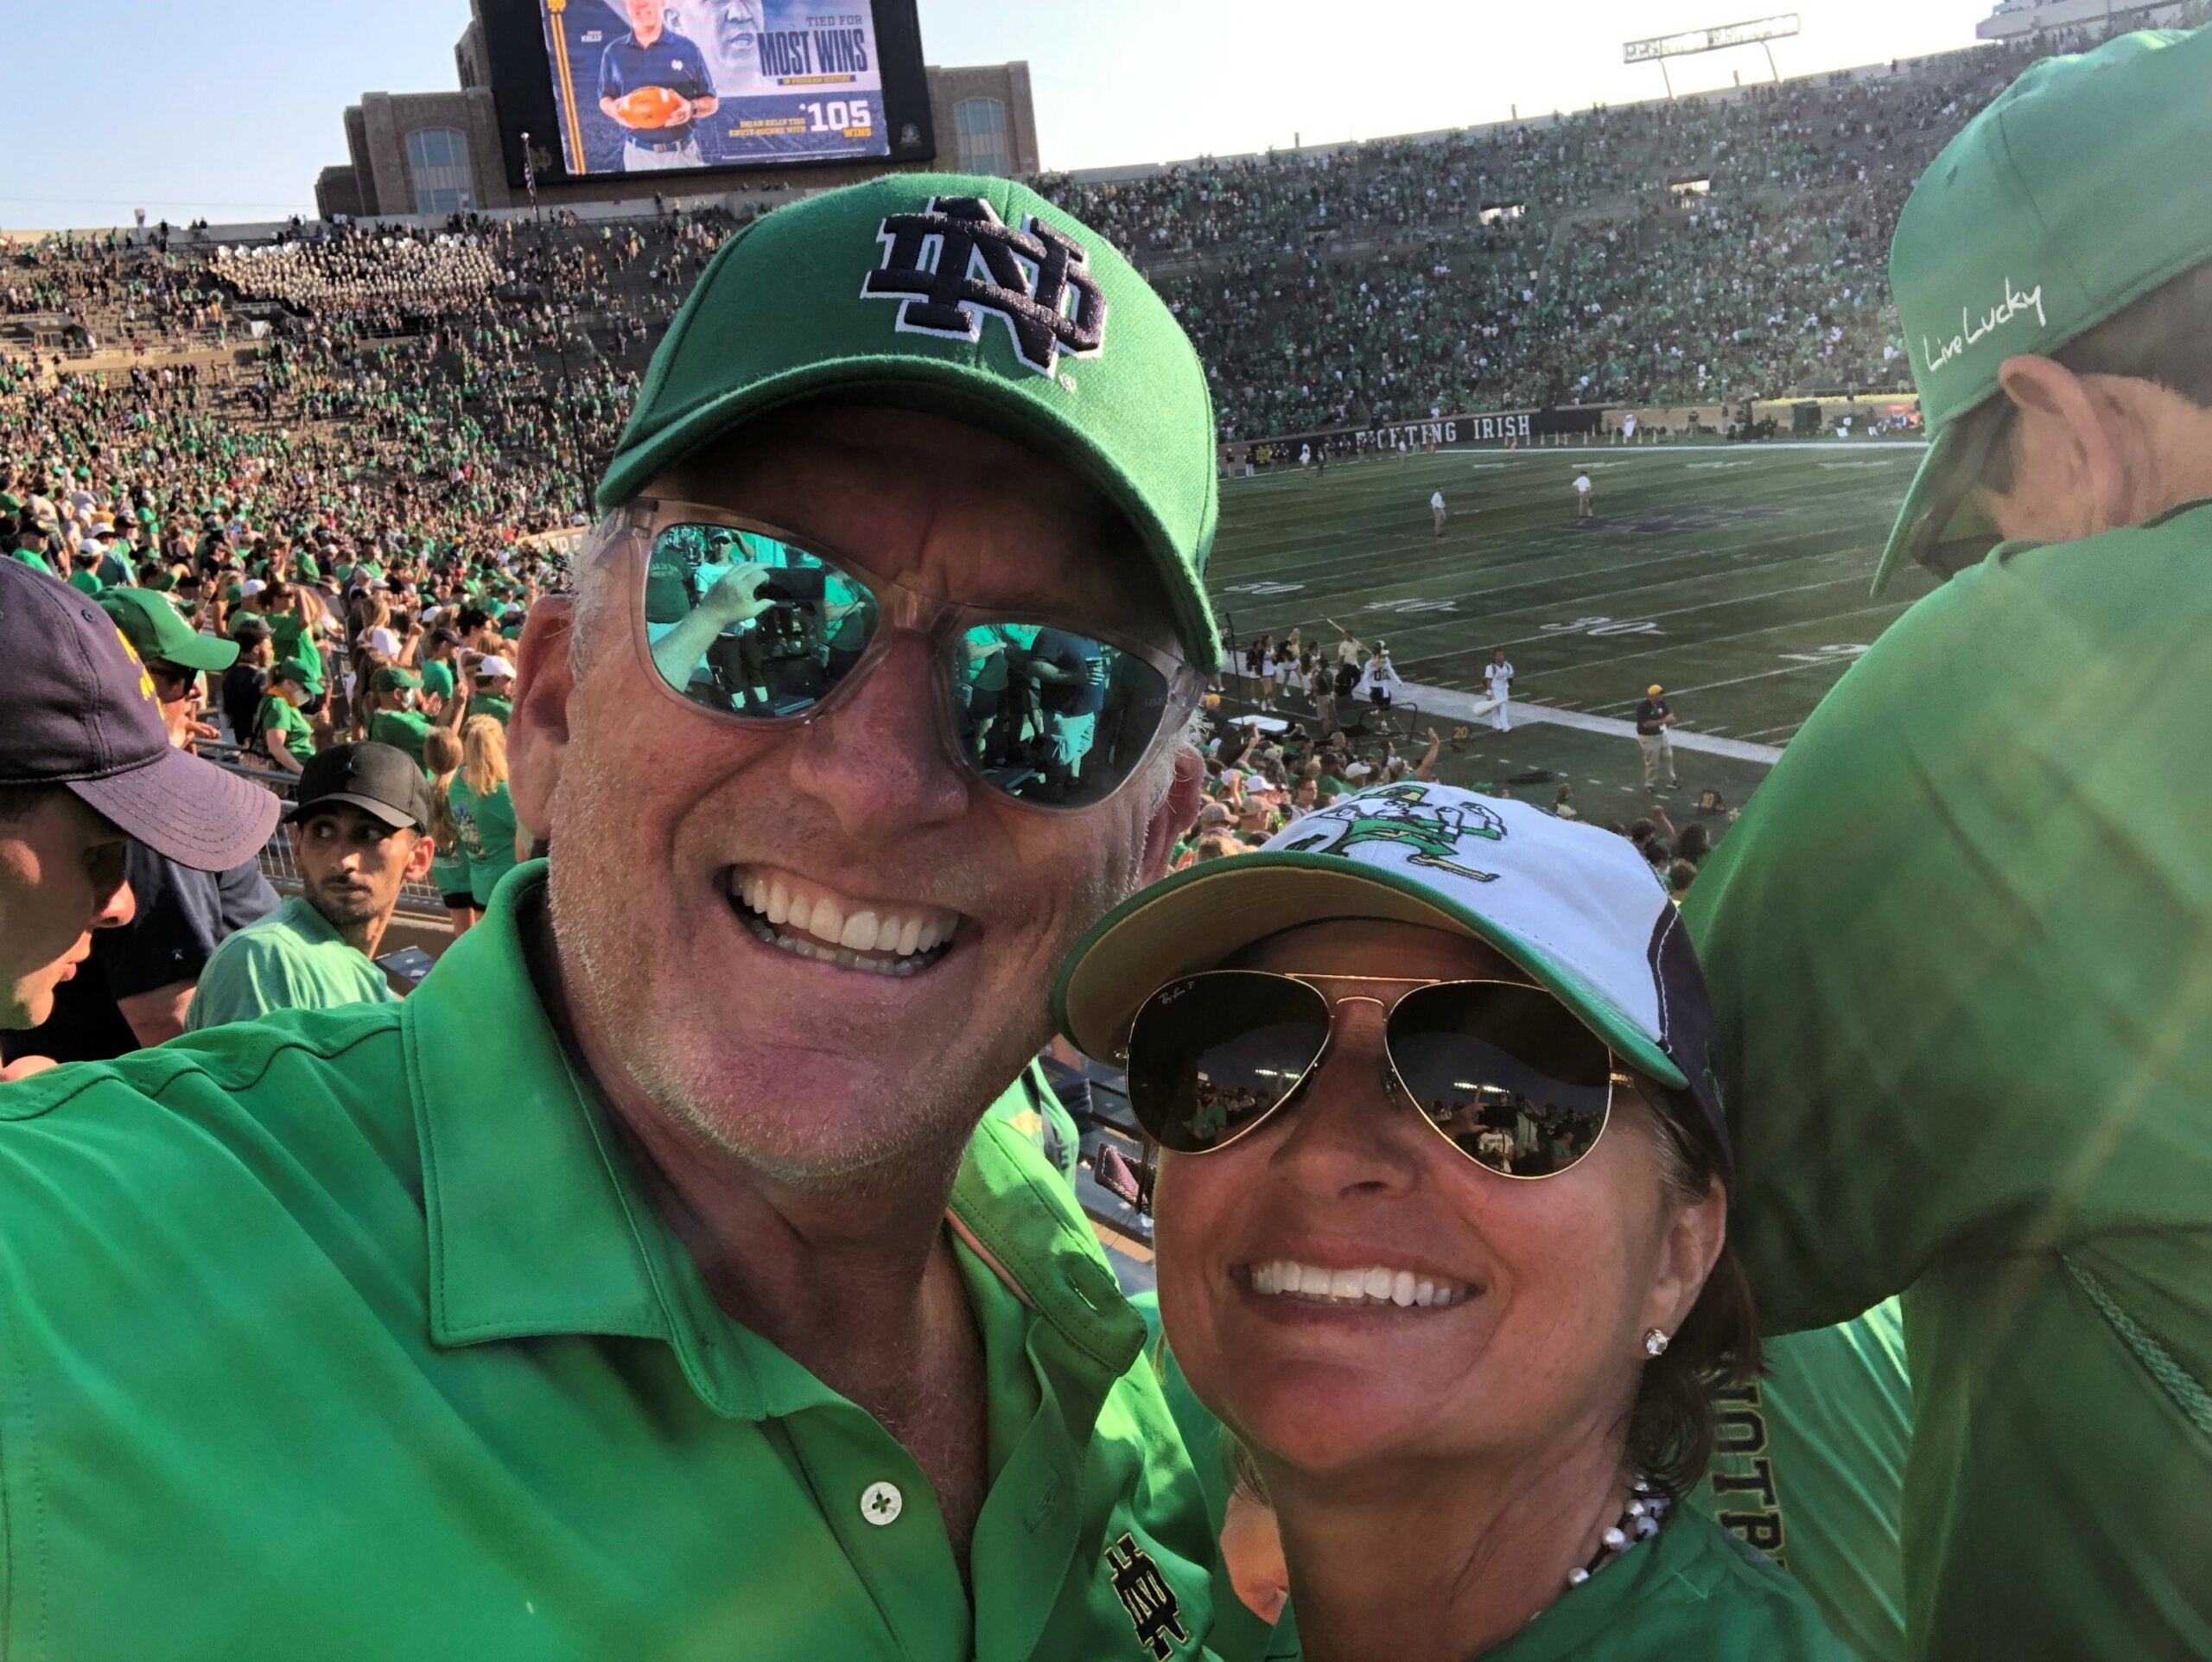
[(1716, 571), (1736, 576)]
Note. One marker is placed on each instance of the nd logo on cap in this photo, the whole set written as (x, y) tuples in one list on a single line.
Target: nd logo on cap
[(786, 313), (957, 260)]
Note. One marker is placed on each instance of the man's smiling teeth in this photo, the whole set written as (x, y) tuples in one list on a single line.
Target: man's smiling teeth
[(815, 924), (1378, 1285)]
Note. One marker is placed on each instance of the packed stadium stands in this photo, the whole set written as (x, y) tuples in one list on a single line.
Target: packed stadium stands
[(1709, 249)]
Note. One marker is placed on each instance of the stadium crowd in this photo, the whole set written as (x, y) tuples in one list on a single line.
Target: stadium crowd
[(368, 471), (1666, 253), (685, 1176)]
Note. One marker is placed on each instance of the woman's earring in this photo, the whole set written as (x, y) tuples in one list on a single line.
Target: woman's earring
[(1655, 1342)]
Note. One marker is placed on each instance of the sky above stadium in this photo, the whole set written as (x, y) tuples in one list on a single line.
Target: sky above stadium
[(231, 109)]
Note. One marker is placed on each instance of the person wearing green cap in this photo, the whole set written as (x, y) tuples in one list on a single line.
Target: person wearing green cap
[(652, 1274), (175, 655), (286, 737), (394, 720), (1957, 940)]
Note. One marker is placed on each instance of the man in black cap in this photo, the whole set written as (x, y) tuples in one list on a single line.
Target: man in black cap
[(85, 767), (134, 988), (359, 834)]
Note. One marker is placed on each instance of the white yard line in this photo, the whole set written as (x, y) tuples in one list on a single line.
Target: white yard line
[(1466, 707)]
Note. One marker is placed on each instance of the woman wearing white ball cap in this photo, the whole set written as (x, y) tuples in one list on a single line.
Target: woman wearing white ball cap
[(1440, 1221)]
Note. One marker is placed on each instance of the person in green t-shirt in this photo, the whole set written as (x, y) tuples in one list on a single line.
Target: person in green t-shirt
[(441, 759), (393, 718), (31, 545), (296, 619), (437, 670), (495, 681), (359, 834), (285, 736), (1440, 1227), (1958, 941), (84, 573), (483, 812)]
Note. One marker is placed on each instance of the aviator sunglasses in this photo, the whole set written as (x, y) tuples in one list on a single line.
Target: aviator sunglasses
[(1503, 1070), (762, 628)]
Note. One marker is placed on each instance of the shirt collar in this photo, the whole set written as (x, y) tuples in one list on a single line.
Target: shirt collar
[(531, 1229), (539, 1224), (302, 919)]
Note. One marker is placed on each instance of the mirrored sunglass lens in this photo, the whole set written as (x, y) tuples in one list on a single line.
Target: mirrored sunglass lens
[(1507, 1073), (1052, 716), (1209, 1054), (740, 622)]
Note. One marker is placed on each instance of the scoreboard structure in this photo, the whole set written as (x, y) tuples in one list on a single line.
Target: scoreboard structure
[(669, 87)]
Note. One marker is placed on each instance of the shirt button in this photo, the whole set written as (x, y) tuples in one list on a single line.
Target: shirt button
[(881, 1503)]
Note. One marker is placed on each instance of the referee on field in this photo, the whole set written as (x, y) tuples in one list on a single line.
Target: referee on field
[(653, 55)]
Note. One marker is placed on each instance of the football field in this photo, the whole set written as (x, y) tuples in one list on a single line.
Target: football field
[(1734, 575)]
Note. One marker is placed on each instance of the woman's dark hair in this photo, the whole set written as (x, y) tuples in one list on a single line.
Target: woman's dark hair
[(1670, 1430), (1695, 843)]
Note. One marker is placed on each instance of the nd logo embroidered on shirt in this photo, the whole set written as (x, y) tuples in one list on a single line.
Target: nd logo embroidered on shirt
[(951, 264), (1437, 832), (1153, 1608)]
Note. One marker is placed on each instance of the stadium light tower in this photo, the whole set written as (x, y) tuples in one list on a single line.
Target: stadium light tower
[(1661, 47)]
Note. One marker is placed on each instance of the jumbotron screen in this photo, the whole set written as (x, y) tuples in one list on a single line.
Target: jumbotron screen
[(652, 86)]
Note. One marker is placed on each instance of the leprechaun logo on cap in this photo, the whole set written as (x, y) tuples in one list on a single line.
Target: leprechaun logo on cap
[(1402, 815), (951, 263)]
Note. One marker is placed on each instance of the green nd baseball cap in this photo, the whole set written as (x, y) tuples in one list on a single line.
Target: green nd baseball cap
[(2084, 185), (393, 678), (158, 632), (970, 297)]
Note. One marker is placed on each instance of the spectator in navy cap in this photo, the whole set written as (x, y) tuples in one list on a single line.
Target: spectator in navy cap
[(87, 765)]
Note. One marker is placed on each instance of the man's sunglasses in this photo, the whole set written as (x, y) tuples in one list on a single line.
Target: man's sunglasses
[(767, 630), (1503, 1070)]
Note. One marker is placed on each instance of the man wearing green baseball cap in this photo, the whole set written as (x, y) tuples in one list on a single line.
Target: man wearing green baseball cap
[(1959, 941), (652, 1282), (395, 720)]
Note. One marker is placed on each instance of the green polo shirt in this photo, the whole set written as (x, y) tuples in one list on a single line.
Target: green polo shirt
[(437, 678), (1961, 948), (1692, 1590), (354, 1334), (86, 582), (485, 704), (35, 561), (291, 959)]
